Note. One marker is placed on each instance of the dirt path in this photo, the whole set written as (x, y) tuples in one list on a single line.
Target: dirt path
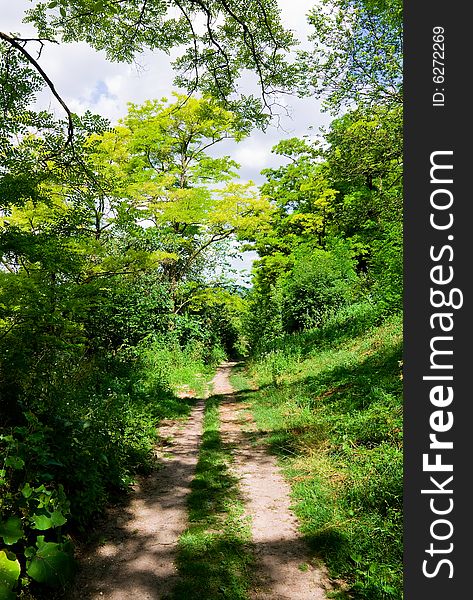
[(139, 540), (283, 568), (137, 560)]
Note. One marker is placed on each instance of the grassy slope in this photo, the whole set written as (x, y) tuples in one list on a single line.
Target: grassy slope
[(329, 404)]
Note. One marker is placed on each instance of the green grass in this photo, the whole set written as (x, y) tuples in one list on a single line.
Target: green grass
[(332, 412), (214, 557), (172, 367)]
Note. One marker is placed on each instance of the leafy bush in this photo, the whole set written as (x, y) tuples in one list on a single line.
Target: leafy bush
[(263, 320), (320, 282), (33, 512), (387, 266), (123, 311)]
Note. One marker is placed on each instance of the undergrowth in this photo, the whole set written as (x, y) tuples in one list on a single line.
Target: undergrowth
[(329, 405), (60, 466), (214, 558)]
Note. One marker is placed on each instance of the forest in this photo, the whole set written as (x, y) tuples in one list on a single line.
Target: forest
[(119, 299)]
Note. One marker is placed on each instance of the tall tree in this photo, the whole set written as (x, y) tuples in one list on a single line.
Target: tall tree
[(357, 54), (302, 194), (161, 164)]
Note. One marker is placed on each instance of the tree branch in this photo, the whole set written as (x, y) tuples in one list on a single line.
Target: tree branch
[(16, 43)]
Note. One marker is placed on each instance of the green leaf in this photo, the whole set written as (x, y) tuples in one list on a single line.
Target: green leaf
[(27, 490), (15, 462), (9, 573), (48, 520), (51, 565), (6, 594), (57, 518), (54, 463), (11, 530), (42, 522)]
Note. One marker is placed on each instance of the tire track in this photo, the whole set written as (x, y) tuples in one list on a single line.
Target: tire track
[(284, 570)]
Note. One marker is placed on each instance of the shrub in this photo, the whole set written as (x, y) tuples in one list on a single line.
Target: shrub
[(320, 282), (387, 266)]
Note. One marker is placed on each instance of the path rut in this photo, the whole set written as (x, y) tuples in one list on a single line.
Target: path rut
[(137, 560), (284, 569)]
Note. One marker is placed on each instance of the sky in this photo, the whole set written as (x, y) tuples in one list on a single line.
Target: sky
[(86, 80)]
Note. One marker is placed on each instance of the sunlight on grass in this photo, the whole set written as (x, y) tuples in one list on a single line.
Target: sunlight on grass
[(214, 558), (333, 415)]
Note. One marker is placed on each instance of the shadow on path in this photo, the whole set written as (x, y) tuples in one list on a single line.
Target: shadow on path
[(136, 560), (283, 567)]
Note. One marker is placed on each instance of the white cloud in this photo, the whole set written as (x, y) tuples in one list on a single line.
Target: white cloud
[(253, 154), (293, 13)]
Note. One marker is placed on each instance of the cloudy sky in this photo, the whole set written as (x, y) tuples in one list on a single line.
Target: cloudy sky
[(87, 81)]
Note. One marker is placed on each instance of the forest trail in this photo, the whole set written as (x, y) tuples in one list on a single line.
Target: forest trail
[(283, 568), (136, 562)]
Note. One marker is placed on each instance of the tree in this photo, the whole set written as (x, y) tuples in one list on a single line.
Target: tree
[(357, 54), (365, 161), (337, 225), (218, 40), (365, 147), (302, 194), (159, 162), (319, 283)]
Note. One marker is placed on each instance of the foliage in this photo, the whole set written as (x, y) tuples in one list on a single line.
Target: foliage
[(320, 282), (365, 161), (217, 40), (357, 55), (387, 263), (128, 309), (31, 508), (303, 196), (158, 164), (335, 234), (221, 311), (263, 319), (9, 574), (366, 147)]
